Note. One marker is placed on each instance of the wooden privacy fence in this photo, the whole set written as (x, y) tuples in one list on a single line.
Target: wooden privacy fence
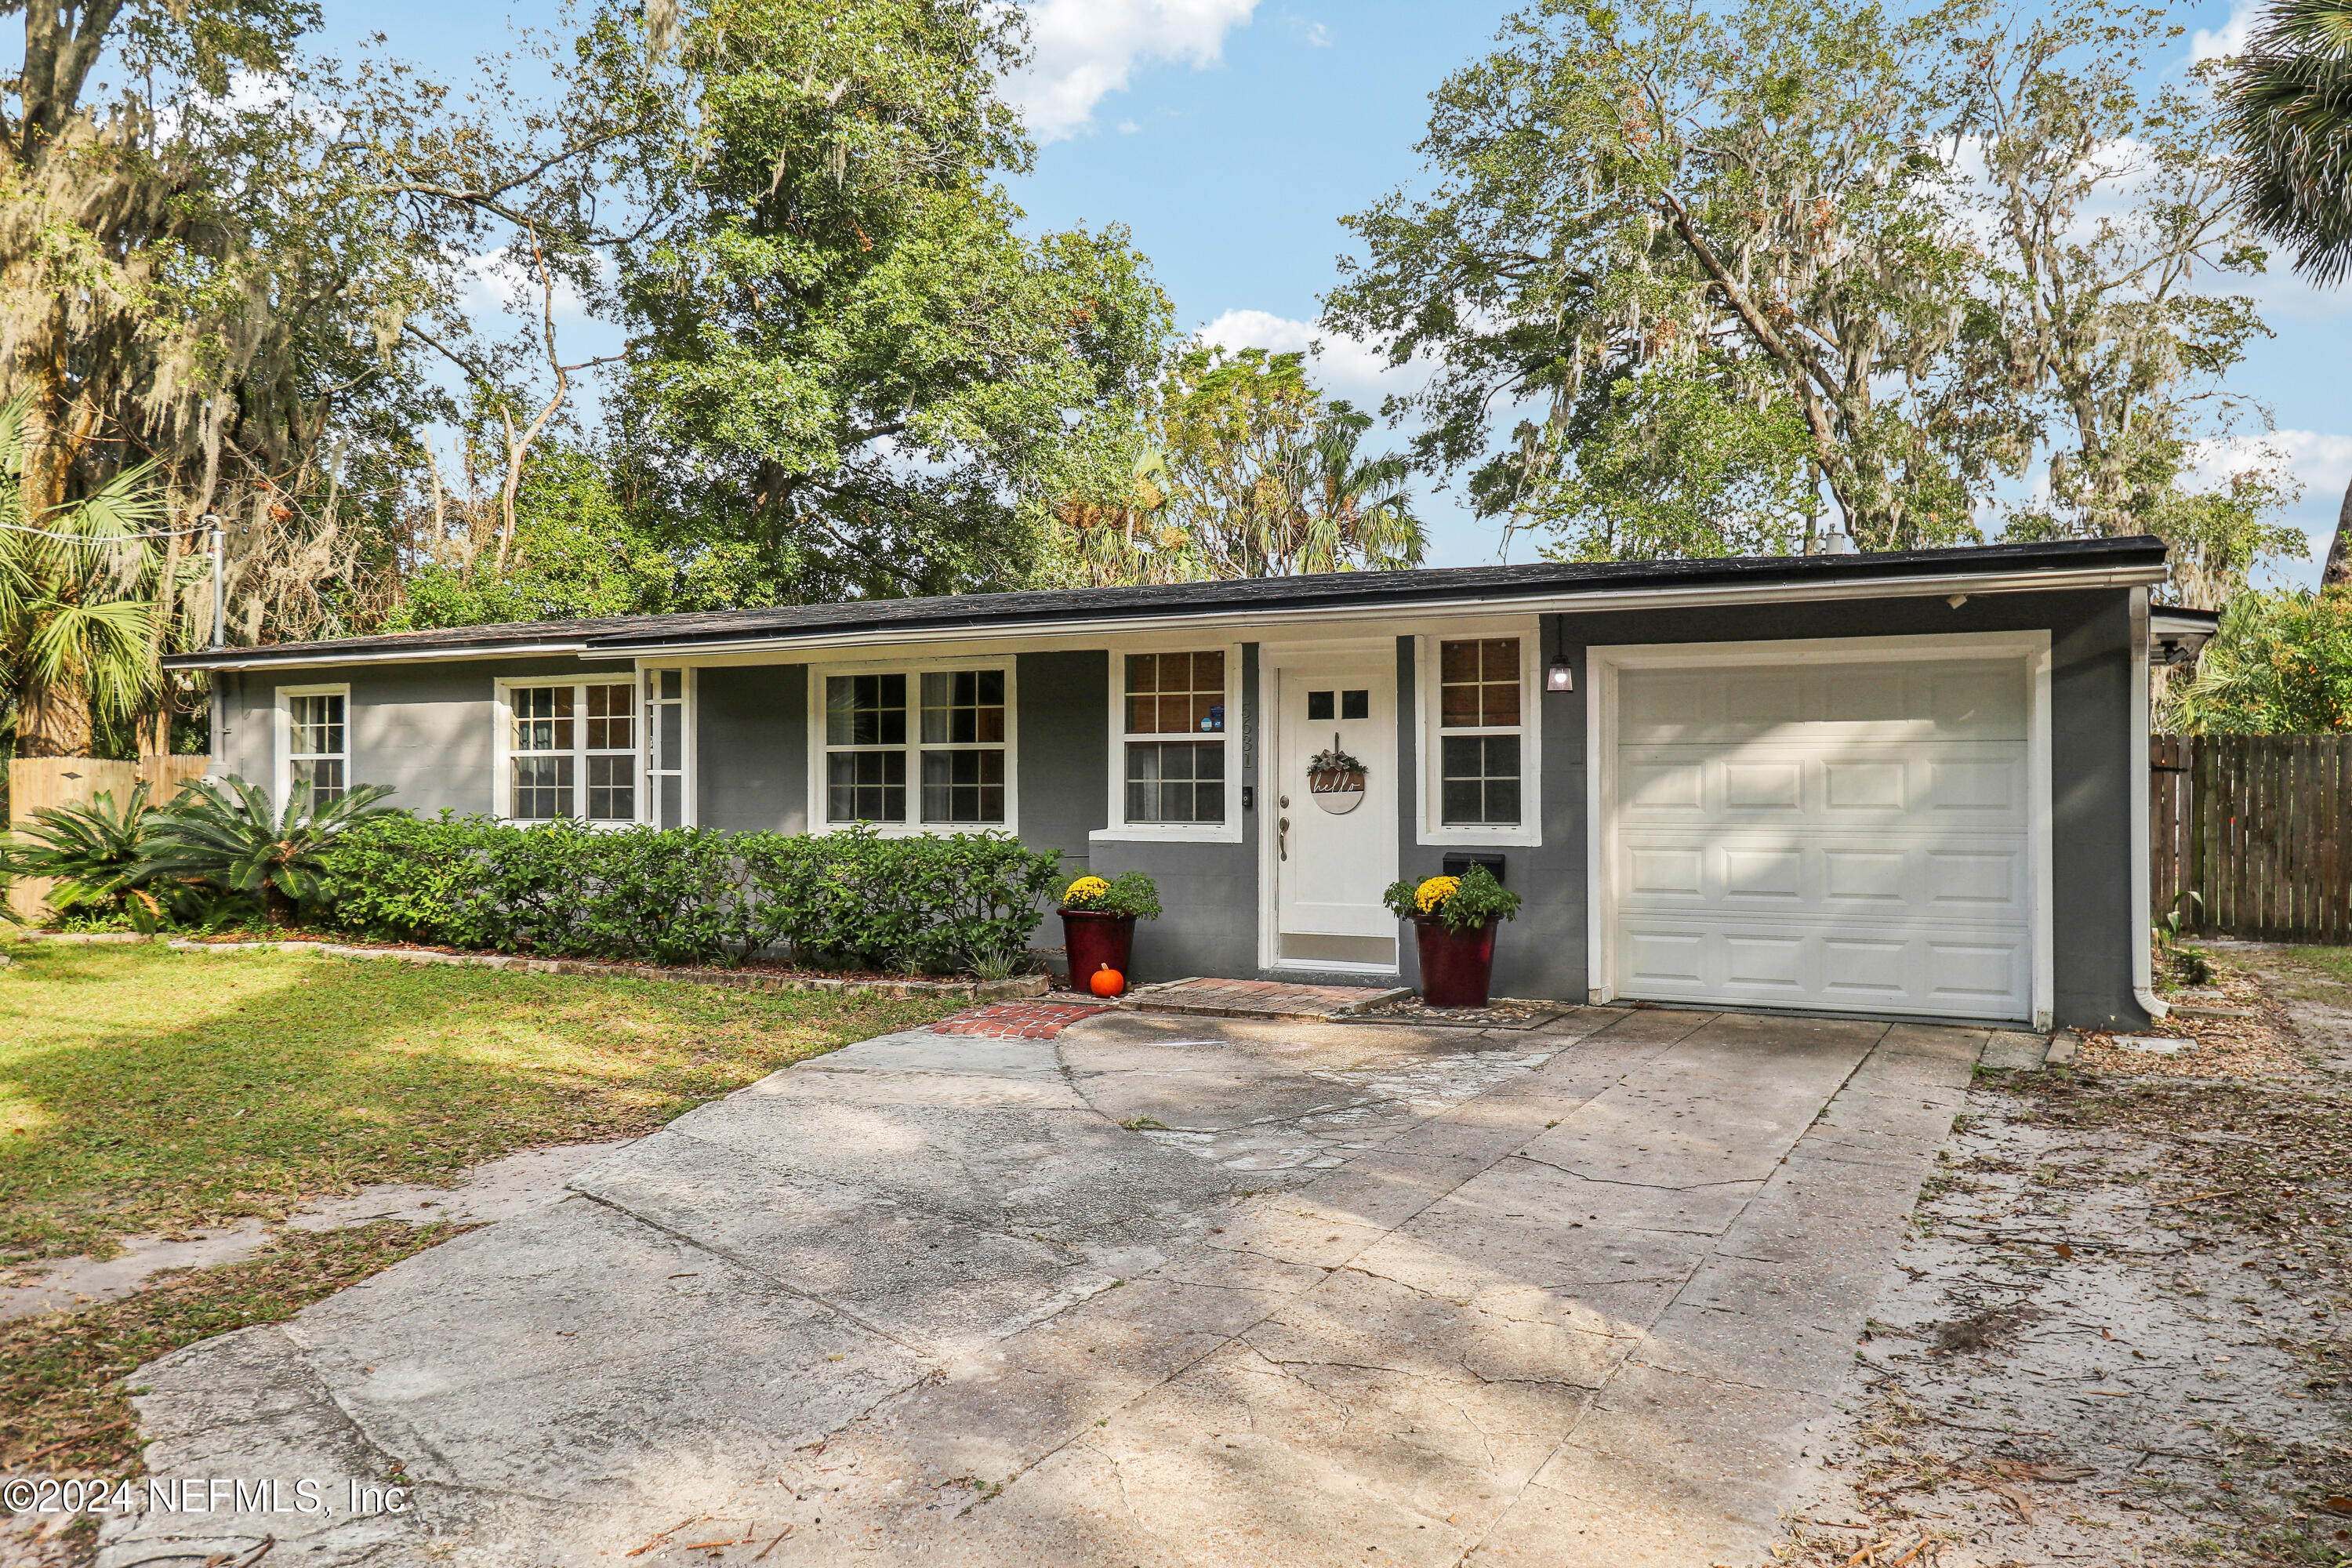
[(37, 782), (2255, 825)]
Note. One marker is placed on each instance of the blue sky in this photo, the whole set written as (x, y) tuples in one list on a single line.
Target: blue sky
[(1231, 135)]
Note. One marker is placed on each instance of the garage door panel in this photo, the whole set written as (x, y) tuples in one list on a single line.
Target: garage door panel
[(1670, 871), (1974, 787), (1978, 976), (1964, 973), (1763, 873), (1665, 785), (1855, 781), (1667, 957), (1847, 835), (1871, 969), (1864, 784), (1776, 962), (1980, 878), (1864, 876), (1845, 875)]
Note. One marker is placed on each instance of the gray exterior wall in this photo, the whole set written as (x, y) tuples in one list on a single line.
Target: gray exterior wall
[(752, 742), (1210, 891), (429, 730), (1542, 952), (1063, 755)]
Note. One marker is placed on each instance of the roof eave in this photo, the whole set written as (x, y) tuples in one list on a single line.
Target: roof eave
[(978, 625)]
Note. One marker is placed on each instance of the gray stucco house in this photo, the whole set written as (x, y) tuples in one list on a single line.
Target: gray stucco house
[(1906, 784)]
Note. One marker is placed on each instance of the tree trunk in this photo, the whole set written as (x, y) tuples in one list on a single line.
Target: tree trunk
[(282, 909), (155, 725), (2338, 569), (52, 719)]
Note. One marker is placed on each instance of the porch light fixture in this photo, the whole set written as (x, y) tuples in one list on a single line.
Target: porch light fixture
[(1559, 676)]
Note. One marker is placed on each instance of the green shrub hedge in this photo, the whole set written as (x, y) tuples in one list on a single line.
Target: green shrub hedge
[(688, 895)]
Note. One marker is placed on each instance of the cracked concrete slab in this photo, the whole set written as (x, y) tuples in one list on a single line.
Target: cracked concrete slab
[(1159, 1292)]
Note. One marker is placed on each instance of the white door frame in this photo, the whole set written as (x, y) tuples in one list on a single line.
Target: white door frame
[(1603, 662), (1272, 657)]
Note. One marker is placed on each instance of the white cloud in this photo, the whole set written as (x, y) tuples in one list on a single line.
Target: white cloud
[(1085, 49), (1313, 34), (2207, 45), (1129, 128), (1345, 367)]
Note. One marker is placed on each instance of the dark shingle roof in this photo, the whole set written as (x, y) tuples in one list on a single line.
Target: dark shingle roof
[(1338, 590)]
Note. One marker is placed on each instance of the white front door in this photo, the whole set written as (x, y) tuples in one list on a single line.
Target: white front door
[(1331, 868)]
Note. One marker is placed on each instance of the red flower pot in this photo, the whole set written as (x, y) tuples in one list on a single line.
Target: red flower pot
[(1456, 967), (1095, 941)]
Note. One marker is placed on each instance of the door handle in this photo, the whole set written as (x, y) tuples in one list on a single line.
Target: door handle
[(1281, 838)]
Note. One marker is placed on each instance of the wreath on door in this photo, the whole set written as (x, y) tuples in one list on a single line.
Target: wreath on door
[(1335, 779)]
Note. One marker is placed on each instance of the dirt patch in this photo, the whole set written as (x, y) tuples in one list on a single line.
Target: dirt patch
[(2118, 1333)]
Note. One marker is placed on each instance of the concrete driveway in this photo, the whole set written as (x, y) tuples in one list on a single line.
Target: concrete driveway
[(1148, 1292)]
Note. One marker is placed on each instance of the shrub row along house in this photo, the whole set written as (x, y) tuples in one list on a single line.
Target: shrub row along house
[(1898, 783)]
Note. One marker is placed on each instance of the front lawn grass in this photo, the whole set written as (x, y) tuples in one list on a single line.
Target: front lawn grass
[(144, 1089)]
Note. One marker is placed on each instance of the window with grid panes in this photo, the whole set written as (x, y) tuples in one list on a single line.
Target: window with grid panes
[(947, 767), (315, 750), (1481, 733), (1175, 769), (963, 746), (572, 751), (865, 748)]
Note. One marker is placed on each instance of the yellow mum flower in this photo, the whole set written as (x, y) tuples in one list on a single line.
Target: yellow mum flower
[(1086, 890), (1433, 893)]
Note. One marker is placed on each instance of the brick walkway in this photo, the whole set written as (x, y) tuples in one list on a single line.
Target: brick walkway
[(1214, 999), (1017, 1020)]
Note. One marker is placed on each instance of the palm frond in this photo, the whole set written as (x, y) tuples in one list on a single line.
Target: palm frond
[(2288, 105)]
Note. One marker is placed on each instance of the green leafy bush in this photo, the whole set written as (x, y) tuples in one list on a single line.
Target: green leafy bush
[(1460, 903), (691, 895)]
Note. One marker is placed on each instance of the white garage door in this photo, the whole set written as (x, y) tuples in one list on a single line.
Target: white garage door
[(1840, 835)]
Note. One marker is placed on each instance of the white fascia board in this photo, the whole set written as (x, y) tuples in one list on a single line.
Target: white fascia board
[(393, 656), (1241, 619)]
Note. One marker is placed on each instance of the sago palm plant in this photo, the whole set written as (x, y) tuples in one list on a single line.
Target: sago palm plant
[(97, 856), (230, 837)]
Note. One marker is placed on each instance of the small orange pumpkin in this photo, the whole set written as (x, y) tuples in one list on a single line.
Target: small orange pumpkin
[(1107, 982)]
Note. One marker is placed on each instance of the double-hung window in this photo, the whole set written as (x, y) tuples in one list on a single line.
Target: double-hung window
[(571, 751), (318, 749), (1482, 751), (908, 747), (1175, 744)]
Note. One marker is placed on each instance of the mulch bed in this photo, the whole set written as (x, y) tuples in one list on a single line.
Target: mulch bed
[(2259, 1046)]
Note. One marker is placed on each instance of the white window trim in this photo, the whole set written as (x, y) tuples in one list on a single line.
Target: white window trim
[(689, 768), (914, 669), (502, 783), (1122, 831), (282, 738), (1527, 832), (1602, 663)]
